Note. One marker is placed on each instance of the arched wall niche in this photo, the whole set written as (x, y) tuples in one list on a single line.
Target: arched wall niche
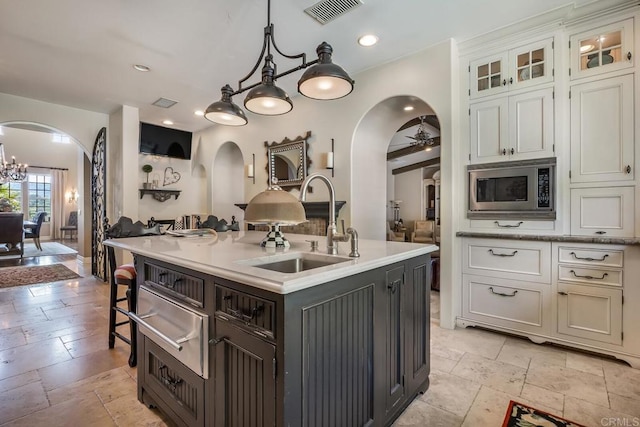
[(227, 182)]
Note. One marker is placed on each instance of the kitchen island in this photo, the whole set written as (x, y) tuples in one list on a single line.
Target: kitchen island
[(226, 338)]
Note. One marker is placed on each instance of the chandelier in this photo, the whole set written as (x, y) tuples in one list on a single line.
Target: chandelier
[(11, 171), (422, 137), (322, 80)]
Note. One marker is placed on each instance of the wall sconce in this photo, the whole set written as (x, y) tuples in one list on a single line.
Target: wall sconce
[(330, 159), (72, 196), (251, 169)]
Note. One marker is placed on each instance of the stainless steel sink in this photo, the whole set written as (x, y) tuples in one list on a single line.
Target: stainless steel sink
[(297, 262)]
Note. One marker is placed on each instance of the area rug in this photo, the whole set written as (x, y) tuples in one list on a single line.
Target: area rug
[(48, 249), (29, 275), (520, 415)]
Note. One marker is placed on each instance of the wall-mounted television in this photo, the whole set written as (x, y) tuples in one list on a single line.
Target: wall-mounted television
[(162, 141)]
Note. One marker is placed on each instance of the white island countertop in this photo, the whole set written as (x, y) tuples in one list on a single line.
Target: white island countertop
[(230, 254)]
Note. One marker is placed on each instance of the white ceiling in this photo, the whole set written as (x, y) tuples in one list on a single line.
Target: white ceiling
[(80, 53)]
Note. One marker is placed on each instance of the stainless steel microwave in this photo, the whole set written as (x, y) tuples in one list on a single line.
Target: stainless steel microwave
[(522, 189)]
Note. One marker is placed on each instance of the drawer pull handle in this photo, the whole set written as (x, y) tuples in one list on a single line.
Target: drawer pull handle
[(393, 286), (166, 379), (508, 225), (563, 293), (601, 232), (238, 313), (502, 255), (501, 294), (155, 331), (162, 274), (216, 341), (587, 276), (588, 258), (175, 283)]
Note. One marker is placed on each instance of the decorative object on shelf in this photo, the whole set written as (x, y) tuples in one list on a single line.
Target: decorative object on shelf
[(330, 159), (147, 169), (288, 162), (11, 171), (395, 204), (323, 80), (251, 169), (160, 195), (594, 59), (170, 177)]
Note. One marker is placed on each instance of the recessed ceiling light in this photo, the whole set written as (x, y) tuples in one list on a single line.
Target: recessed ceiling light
[(199, 113), (142, 68), (167, 122), (368, 40), (586, 48), (408, 108)]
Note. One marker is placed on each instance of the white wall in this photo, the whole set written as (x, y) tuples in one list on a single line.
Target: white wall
[(408, 188), (227, 182)]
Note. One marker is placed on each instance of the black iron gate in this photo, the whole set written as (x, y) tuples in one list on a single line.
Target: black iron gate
[(98, 205)]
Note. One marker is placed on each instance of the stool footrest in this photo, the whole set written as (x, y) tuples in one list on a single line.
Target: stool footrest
[(122, 337)]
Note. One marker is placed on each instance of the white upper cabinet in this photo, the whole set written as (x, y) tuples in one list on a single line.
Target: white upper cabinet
[(601, 50), (602, 130), (517, 68), (514, 127)]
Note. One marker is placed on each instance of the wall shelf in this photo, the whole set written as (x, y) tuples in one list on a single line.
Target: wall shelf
[(160, 195)]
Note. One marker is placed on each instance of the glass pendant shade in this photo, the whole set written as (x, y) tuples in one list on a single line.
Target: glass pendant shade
[(275, 206), (225, 112), (325, 80)]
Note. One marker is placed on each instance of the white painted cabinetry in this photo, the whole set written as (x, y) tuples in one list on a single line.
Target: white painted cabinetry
[(514, 127), (602, 130), (603, 211), (600, 50), (576, 294)]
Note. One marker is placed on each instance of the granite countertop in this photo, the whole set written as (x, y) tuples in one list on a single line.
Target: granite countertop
[(230, 255), (553, 238)]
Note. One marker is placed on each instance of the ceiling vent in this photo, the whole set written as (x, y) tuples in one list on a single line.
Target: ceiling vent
[(164, 103), (327, 10)]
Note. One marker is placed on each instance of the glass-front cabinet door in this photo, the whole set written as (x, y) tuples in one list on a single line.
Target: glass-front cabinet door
[(531, 64), (517, 68), (603, 49), (488, 76)]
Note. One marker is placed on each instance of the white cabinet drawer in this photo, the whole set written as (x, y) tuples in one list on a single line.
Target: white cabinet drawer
[(596, 276), (590, 312), (509, 259), (512, 226), (511, 304), (591, 257)]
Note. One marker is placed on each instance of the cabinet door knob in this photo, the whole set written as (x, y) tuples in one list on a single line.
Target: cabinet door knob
[(512, 151), (504, 151), (628, 169), (563, 293), (504, 82), (511, 81), (629, 56)]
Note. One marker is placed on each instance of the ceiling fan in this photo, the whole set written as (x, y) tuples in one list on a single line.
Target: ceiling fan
[(422, 137)]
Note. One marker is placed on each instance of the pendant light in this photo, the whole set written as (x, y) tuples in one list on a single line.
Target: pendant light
[(322, 80)]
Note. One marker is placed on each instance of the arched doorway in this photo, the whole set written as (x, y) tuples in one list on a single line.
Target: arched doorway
[(46, 148), (372, 180)]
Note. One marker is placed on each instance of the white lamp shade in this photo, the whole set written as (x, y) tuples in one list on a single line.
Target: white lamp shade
[(330, 160), (325, 87), (268, 106)]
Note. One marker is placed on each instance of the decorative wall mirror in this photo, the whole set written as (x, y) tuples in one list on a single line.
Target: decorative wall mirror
[(288, 162)]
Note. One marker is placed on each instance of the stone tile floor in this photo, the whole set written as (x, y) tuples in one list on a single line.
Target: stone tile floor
[(56, 369)]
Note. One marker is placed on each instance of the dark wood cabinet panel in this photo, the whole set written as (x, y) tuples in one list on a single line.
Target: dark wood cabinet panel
[(394, 338), (245, 392)]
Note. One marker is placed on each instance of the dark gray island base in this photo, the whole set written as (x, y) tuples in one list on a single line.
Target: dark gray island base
[(350, 352)]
